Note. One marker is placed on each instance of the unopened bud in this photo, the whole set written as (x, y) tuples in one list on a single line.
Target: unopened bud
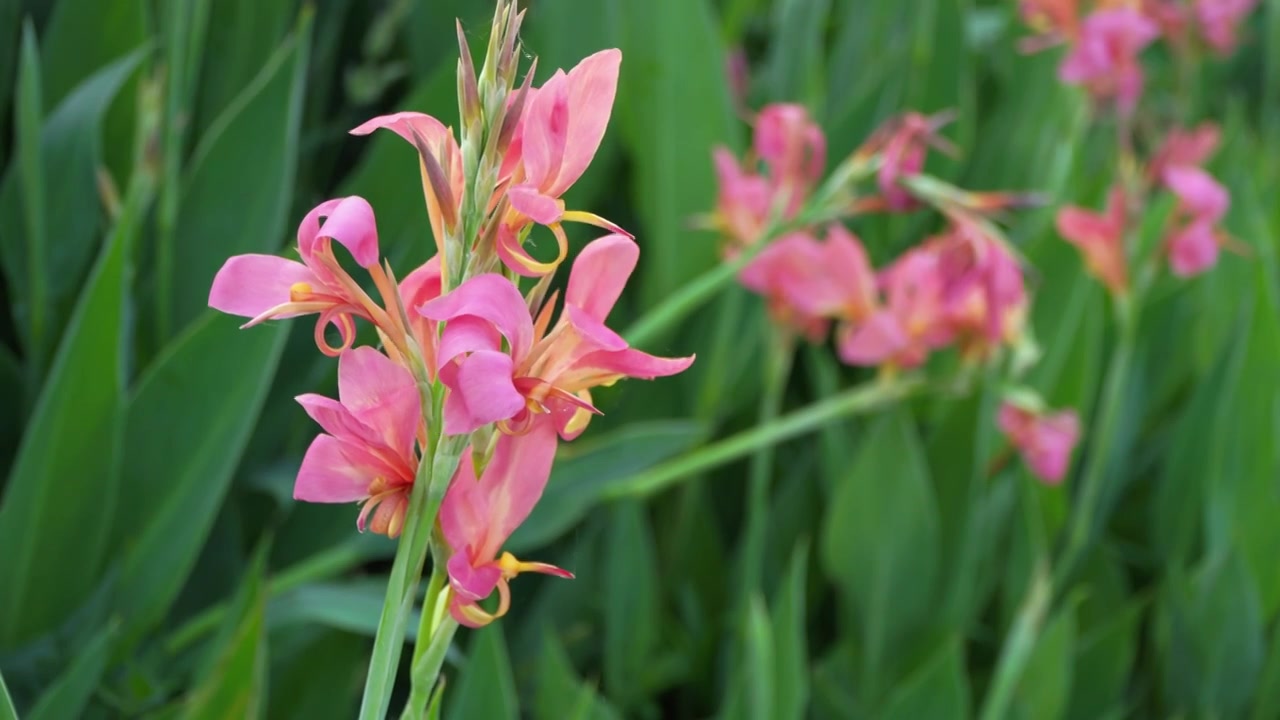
[(468, 91), (446, 204)]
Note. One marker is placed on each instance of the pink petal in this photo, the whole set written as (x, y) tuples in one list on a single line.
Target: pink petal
[(1193, 249), (249, 285), (327, 476), (350, 221), (594, 332), (599, 274), (468, 334), (421, 285), (546, 128), (593, 84), (632, 363), (404, 124), (382, 395), (542, 209), (464, 512), (881, 338), (490, 297), (514, 480), (472, 583), (480, 392), (1198, 192), (335, 419)]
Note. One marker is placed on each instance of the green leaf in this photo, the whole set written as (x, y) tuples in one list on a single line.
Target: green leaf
[(673, 106), (352, 606), (233, 682), (631, 619), (486, 688), (1045, 686), (62, 491), (188, 421), (317, 675), (241, 37), (43, 279), (758, 678), (795, 66), (251, 150), (1267, 703), (69, 695), (790, 646), (1104, 661), (880, 541), (7, 711), (585, 472), (938, 689), (560, 694), (30, 116)]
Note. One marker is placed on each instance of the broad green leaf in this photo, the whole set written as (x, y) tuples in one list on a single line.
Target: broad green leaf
[(1045, 686), (233, 682), (560, 695), (758, 678), (69, 695), (7, 712), (673, 105), (352, 606), (1103, 663), (83, 36), (586, 470), (236, 196), (10, 37), (241, 39), (316, 675), (938, 689), (1209, 637), (485, 688), (29, 112), (631, 584), (1267, 702), (45, 279), (188, 420), (70, 450), (790, 645), (880, 540), (796, 62)]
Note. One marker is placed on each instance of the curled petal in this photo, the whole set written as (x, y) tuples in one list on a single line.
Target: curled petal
[(250, 285), (346, 326), (472, 583), (468, 334), (599, 274), (327, 476), (542, 209), (490, 297), (512, 253), (480, 392)]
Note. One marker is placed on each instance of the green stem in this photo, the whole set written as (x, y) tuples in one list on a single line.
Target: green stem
[(1085, 518), (860, 399), (426, 669), (777, 368), (430, 626), (1016, 652)]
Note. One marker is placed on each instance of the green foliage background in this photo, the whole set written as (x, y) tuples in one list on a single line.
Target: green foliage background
[(152, 563)]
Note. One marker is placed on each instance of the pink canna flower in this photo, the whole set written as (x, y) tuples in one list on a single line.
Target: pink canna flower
[(913, 321), (559, 133), (440, 159), (267, 287), (1184, 148), (537, 371), (479, 514), (1219, 20), (744, 201), (1194, 242), (1045, 440), (418, 288), (366, 453), (1193, 249), (903, 143), (986, 298), (1104, 57), (1100, 238), (808, 283), (1199, 195), (794, 149)]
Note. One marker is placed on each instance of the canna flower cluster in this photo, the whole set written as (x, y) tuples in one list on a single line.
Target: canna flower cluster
[(466, 362), (1104, 48), (961, 288)]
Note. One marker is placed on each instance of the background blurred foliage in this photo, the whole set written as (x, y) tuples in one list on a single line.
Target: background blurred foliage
[(152, 563)]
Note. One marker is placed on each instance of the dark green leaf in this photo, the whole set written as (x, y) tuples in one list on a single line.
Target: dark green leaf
[(318, 675), (938, 689), (7, 712), (241, 37), (237, 193), (631, 603), (790, 645), (486, 688), (352, 606), (188, 421), (1104, 661), (1046, 683), (233, 683), (560, 694), (795, 70), (70, 451), (880, 540), (69, 695)]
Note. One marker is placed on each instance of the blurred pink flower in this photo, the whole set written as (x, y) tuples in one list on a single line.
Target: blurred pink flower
[(1100, 238), (1044, 440), (1104, 58), (539, 371), (1219, 20), (808, 283), (267, 287), (1193, 242), (479, 514), (911, 323), (744, 200), (1193, 248), (367, 450), (903, 143), (1184, 147), (1199, 195), (985, 296)]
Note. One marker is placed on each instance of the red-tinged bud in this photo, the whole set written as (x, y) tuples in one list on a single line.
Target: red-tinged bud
[(446, 204), (468, 91)]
